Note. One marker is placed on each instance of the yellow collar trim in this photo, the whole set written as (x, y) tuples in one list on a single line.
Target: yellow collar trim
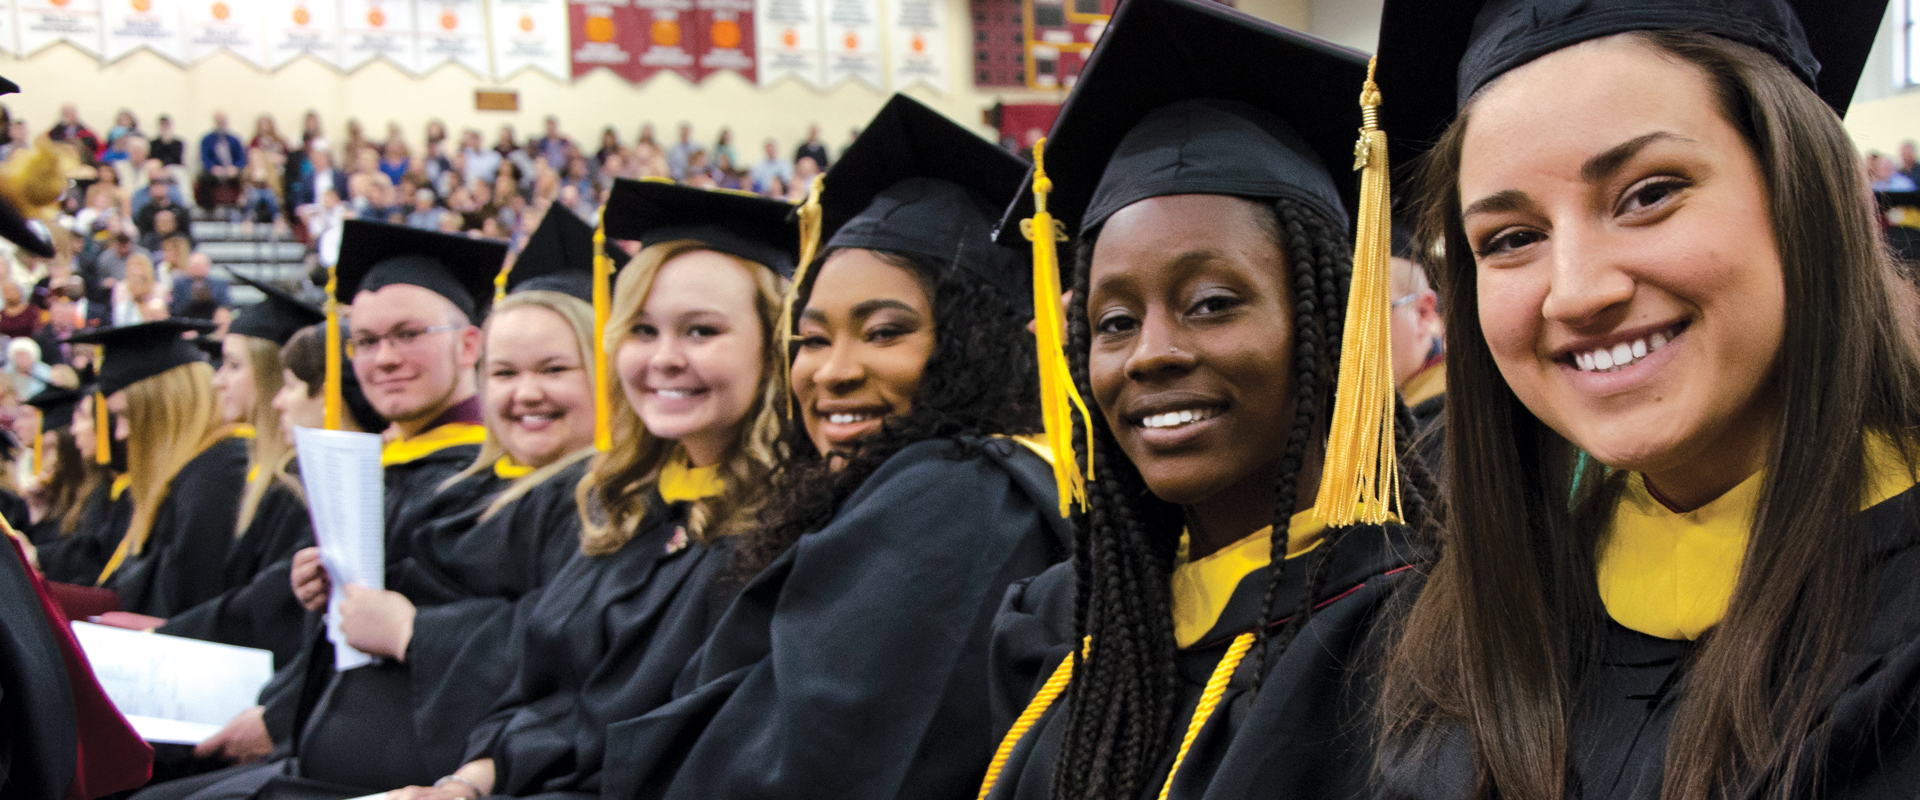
[(243, 431), (508, 469), (452, 434), (682, 483), (119, 486), (1425, 384), (1038, 444), (1202, 588), (1671, 575)]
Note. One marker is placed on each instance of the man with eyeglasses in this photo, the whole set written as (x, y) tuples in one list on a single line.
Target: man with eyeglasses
[(1419, 349)]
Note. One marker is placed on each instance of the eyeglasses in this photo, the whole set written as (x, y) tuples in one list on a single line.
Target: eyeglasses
[(1398, 302), (404, 338)]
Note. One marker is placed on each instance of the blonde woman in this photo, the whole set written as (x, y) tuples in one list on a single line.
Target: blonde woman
[(258, 609), (183, 463), (691, 341)]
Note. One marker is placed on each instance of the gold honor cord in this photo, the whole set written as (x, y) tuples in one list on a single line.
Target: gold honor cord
[(1042, 700), (335, 409), (810, 214), (1059, 398), (1361, 479), (602, 308)]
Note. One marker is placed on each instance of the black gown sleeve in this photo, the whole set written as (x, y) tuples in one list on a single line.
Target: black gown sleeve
[(78, 557), (183, 562), (856, 666), (259, 610)]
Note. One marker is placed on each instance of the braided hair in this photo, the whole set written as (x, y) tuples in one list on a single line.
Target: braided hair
[(1123, 698), (979, 381)]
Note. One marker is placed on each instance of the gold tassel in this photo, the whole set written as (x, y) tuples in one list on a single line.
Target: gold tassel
[(810, 214), (39, 452), (1059, 398), (102, 435), (1361, 479), (602, 308), (335, 409), (500, 279)]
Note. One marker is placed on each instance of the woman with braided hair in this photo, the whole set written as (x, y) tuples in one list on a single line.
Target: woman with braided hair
[(1209, 636)]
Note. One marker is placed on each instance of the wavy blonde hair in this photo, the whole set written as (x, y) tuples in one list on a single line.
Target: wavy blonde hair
[(172, 418), (613, 496), (579, 317), (267, 454)]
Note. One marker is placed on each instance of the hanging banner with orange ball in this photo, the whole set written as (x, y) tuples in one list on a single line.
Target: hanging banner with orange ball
[(528, 34), (46, 22), (853, 42), (728, 43), (152, 25), (919, 44), (668, 38), (296, 28), (377, 29), (232, 26), (605, 36), (789, 43), (451, 31)]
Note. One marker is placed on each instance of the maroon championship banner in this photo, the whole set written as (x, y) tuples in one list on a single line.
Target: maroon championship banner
[(667, 38), (607, 36), (727, 38)]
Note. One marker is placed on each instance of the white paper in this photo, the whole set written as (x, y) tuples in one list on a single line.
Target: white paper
[(788, 33), (152, 24), (171, 731), (215, 25), (919, 44), (530, 33), (346, 498), (179, 682)]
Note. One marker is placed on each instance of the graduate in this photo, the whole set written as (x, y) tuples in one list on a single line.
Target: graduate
[(260, 609), (64, 476), (1679, 557), (76, 557), (183, 463), (853, 665), (691, 341), (1204, 638)]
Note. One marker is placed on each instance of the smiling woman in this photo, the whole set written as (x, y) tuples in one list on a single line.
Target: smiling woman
[(1682, 371)]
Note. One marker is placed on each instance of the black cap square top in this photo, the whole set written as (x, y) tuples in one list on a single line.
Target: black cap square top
[(1193, 97), (1435, 54), (13, 225), (375, 255), (137, 352), (558, 257), (917, 182), (758, 229), (277, 317), (56, 407)]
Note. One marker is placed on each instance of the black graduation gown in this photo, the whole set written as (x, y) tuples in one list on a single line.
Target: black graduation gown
[(605, 643), (1309, 704), (15, 509), (78, 557), (183, 562), (258, 608), (1619, 734), (38, 729), (854, 666)]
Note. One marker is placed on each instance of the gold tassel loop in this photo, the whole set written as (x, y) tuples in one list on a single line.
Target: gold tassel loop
[(335, 411), (1059, 398), (1361, 479), (810, 223), (602, 308)]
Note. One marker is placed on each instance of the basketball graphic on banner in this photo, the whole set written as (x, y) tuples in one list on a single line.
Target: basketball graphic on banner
[(852, 41), (376, 18), (221, 12), (725, 33), (301, 16), (600, 29), (142, 6), (526, 23), (449, 21), (665, 32)]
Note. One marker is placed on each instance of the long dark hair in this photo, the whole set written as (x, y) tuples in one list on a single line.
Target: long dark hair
[(1123, 696), (979, 381), (1499, 642)]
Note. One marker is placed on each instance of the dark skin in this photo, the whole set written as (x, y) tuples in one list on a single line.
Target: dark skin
[(1192, 359)]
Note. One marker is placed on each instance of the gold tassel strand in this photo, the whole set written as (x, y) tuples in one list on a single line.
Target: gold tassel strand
[(1361, 479), (810, 215), (102, 434), (1059, 398), (602, 308), (334, 413)]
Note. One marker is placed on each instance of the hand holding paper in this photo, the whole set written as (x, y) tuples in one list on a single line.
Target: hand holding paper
[(377, 621), (346, 497)]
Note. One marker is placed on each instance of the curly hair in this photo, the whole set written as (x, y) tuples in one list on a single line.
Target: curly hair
[(979, 381), (1123, 698)]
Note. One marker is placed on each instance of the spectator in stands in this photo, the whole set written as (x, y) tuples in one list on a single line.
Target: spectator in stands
[(222, 157), (1909, 161), (124, 124), (266, 138), (609, 146), (771, 167), (175, 252), (70, 129), (323, 221), (699, 173), (131, 168), (425, 215), (197, 294), (101, 214), (552, 144), (167, 147), (579, 174), (1886, 175), (646, 138), (723, 147), (108, 267), (395, 160), (140, 287), (356, 140), (321, 178), (28, 374), (62, 320), (17, 316), (812, 148), (506, 145), (260, 193), (159, 181), (312, 133), (162, 225), (681, 153), (436, 133), (481, 162), (433, 165), (18, 136), (803, 171)]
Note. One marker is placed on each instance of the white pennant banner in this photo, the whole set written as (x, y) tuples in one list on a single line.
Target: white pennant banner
[(45, 22), (153, 24), (9, 39), (788, 33), (296, 28), (371, 29), (853, 42), (451, 30), (529, 33), (919, 46), (230, 25)]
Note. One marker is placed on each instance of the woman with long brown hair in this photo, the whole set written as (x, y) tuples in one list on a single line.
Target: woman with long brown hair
[(1681, 426)]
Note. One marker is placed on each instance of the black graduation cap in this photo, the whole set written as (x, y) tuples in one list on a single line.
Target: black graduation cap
[(13, 226), (137, 352), (56, 406), (917, 182), (1193, 97), (558, 257), (276, 318), (1435, 55), (374, 255), (758, 229)]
